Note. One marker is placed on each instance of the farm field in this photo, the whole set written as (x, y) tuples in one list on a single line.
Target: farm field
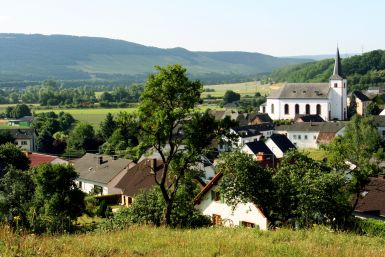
[(94, 116), (246, 88), (151, 241)]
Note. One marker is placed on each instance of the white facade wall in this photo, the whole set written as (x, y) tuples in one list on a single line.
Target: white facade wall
[(88, 186), (338, 99), (303, 139), (279, 107), (247, 212), (25, 144), (274, 148)]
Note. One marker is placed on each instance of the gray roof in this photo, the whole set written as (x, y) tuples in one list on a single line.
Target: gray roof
[(379, 121), (333, 126), (88, 167), (253, 130), (302, 90), (21, 133), (337, 71)]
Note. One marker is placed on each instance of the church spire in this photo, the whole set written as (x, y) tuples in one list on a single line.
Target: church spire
[(337, 72)]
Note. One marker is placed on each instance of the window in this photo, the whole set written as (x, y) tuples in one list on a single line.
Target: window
[(97, 190), (307, 109), (294, 136), (286, 109), (264, 109), (318, 109), (272, 108), (305, 137), (335, 84), (299, 137), (314, 137), (344, 84), (216, 196), (247, 224), (24, 142), (297, 109), (80, 184), (217, 220)]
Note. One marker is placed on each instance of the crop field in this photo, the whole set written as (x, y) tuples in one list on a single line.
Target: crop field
[(246, 88)]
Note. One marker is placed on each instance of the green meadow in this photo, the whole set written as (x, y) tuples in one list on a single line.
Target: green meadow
[(156, 242)]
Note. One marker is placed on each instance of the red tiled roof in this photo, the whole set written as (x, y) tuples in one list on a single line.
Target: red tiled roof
[(37, 159)]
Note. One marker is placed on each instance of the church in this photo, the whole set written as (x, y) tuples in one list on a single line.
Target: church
[(328, 100)]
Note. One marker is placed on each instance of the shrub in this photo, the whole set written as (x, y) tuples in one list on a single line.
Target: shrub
[(371, 227)]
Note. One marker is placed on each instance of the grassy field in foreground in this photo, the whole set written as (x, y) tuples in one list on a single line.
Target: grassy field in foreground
[(246, 88), (149, 241)]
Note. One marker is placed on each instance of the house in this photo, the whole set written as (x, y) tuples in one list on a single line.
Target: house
[(308, 118), (25, 138), (279, 145), (328, 100), (260, 152), (138, 178), (210, 203), (37, 158), (258, 118), (371, 202), (99, 173), (311, 134), (362, 101), (25, 121)]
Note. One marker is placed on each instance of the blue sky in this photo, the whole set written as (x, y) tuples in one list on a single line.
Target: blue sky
[(276, 27)]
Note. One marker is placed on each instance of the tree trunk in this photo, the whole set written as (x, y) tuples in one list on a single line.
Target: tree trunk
[(167, 213)]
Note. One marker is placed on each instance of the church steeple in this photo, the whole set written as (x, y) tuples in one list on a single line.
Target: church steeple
[(337, 72)]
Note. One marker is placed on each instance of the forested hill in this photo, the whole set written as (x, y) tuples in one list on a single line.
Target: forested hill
[(60, 57), (361, 71)]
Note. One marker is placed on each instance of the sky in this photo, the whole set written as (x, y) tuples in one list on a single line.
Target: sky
[(275, 27)]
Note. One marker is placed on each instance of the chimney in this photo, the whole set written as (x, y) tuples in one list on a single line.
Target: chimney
[(153, 165), (100, 160)]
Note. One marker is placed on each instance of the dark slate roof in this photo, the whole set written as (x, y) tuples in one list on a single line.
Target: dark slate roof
[(21, 133), (309, 118), (302, 90), (379, 120), (259, 147), (282, 142), (140, 177), (263, 117), (361, 96), (372, 200), (88, 167), (333, 126), (337, 71), (252, 130)]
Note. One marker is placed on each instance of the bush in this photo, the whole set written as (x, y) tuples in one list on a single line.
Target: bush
[(371, 227)]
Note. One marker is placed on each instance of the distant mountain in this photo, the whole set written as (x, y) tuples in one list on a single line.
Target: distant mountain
[(361, 71), (39, 57), (319, 56)]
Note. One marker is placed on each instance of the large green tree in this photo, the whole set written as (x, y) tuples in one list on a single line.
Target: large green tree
[(82, 138), (57, 201), (300, 192), (169, 125), (231, 96), (11, 155)]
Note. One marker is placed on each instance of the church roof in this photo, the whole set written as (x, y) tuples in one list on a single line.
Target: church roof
[(337, 72), (301, 91)]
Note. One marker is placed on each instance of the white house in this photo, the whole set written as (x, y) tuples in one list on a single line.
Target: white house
[(329, 100), (311, 134), (210, 203), (25, 138), (100, 173), (279, 145)]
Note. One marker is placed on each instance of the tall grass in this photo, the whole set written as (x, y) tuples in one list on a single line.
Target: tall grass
[(150, 241)]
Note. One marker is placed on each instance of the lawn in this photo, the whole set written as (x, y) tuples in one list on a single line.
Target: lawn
[(150, 241), (246, 88), (316, 154)]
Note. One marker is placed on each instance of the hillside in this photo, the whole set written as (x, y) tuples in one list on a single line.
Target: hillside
[(149, 241), (39, 57), (361, 71)]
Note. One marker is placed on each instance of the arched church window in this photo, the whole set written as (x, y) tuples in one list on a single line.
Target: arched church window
[(318, 109), (286, 109), (307, 109), (272, 108), (297, 109)]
